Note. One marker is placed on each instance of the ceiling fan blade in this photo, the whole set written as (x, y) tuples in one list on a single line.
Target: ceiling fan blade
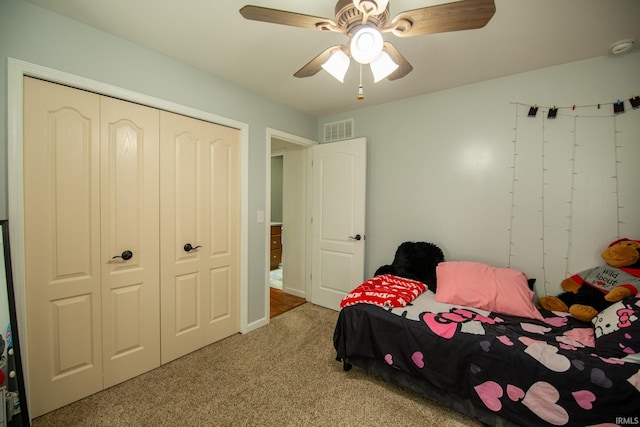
[(312, 67), (461, 15), (404, 67), (283, 17)]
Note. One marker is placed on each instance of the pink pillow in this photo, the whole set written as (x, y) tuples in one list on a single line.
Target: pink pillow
[(473, 284)]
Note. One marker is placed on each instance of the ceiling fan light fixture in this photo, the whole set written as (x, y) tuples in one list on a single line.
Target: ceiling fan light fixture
[(371, 7), (363, 21), (382, 66), (366, 44), (337, 65)]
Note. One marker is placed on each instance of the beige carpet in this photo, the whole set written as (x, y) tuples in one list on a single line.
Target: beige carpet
[(283, 374)]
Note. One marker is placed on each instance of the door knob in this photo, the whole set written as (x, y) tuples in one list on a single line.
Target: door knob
[(356, 237), (126, 255), (188, 247)]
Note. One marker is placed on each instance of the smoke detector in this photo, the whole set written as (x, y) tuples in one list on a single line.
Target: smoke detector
[(622, 46)]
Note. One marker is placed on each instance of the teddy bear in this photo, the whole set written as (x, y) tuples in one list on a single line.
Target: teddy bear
[(591, 291), (416, 261)]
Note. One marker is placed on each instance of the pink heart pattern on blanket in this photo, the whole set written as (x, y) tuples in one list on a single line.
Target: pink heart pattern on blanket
[(546, 354), (584, 398), (418, 359), (541, 399), (389, 359), (490, 393), (514, 393)]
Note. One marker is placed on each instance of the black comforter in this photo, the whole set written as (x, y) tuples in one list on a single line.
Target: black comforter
[(533, 373)]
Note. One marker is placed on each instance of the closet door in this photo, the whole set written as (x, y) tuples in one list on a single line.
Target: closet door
[(62, 244), (91, 194), (130, 239), (200, 209)]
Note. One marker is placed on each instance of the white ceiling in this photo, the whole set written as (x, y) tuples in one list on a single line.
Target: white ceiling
[(211, 35)]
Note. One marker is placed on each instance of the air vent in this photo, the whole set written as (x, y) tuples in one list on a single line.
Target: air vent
[(337, 131)]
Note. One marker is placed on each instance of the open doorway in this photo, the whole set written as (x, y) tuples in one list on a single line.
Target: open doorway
[(288, 212), (275, 247)]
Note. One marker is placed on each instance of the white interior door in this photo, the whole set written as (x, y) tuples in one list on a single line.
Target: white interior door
[(338, 220)]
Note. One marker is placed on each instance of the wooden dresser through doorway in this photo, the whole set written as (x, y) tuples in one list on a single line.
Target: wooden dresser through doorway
[(276, 245)]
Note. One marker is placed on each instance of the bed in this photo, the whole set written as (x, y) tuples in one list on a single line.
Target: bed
[(537, 368)]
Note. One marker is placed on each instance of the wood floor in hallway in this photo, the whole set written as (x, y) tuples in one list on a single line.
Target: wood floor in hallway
[(282, 302)]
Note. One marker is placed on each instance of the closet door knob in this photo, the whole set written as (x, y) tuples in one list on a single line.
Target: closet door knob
[(126, 255), (356, 237), (188, 247)]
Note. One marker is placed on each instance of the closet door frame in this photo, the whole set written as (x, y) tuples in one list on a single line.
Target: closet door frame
[(17, 70)]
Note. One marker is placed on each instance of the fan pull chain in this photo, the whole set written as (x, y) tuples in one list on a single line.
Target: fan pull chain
[(365, 17), (360, 88)]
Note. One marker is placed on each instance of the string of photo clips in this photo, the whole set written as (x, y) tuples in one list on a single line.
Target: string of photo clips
[(552, 112), (618, 107)]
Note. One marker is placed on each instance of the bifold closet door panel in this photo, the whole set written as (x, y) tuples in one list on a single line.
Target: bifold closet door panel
[(223, 263), (182, 221), (62, 244), (200, 199), (130, 239), (91, 174)]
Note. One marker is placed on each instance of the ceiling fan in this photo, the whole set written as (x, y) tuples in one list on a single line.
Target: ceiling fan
[(363, 21)]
